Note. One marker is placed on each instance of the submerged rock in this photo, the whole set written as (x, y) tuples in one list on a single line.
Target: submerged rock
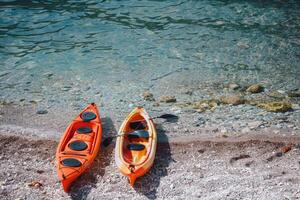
[(219, 22), (168, 99), (48, 74), (201, 107), (66, 88), (296, 106), (184, 104), (188, 92), (156, 104), (4, 103), (294, 94), (243, 45), (41, 111), (35, 101), (204, 105), (148, 96), (233, 99), (233, 86), (276, 94), (280, 106), (256, 88)]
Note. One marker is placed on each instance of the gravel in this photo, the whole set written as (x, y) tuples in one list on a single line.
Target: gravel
[(194, 169)]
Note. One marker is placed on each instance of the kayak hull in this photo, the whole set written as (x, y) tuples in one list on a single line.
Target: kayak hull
[(138, 160), (78, 146)]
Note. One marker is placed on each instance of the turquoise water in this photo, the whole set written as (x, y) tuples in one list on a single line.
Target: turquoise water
[(71, 52)]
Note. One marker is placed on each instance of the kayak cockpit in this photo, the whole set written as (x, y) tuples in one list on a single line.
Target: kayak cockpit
[(136, 140)]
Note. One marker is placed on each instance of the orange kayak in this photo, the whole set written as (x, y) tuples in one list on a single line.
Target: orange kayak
[(79, 146), (136, 145)]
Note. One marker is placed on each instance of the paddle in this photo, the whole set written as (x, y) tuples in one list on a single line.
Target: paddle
[(166, 116), (169, 117)]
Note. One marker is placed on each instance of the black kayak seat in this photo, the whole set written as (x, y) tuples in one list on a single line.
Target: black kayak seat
[(84, 130), (71, 162), (138, 134), (136, 147), (137, 125), (78, 145), (88, 116)]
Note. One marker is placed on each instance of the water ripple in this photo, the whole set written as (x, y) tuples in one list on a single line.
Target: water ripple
[(136, 41)]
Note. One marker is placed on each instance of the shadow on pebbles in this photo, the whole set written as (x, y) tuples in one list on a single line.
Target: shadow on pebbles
[(199, 170)]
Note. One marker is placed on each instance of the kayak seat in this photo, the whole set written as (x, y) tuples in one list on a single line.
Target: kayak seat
[(138, 134), (137, 125), (78, 145), (88, 116), (71, 162), (136, 147), (84, 130)]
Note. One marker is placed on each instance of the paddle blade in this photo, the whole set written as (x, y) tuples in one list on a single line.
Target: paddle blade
[(168, 116)]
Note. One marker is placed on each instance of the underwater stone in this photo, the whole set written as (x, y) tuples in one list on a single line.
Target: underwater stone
[(48, 74), (275, 94), (220, 22), (3, 102), (233, 86), (280, 106), (203, 105), (188, 92), (41, 111), (156, 104), (294, 94), (66, 88), (168, 99), (233, 99), (148, 96), (243, 45), (256, 88)]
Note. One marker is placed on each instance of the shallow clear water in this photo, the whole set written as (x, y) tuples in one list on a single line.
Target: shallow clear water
[(57, 52)]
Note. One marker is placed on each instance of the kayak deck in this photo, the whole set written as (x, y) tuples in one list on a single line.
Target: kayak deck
[(136, 142), (136, 146), (79, 145)]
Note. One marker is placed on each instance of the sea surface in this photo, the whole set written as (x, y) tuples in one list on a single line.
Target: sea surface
[(59, 53)]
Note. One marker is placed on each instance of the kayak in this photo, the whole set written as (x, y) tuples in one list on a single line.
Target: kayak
[(79, 146), (136, 145)]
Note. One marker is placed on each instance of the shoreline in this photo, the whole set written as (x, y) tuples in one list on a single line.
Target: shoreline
[(226, 121)]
